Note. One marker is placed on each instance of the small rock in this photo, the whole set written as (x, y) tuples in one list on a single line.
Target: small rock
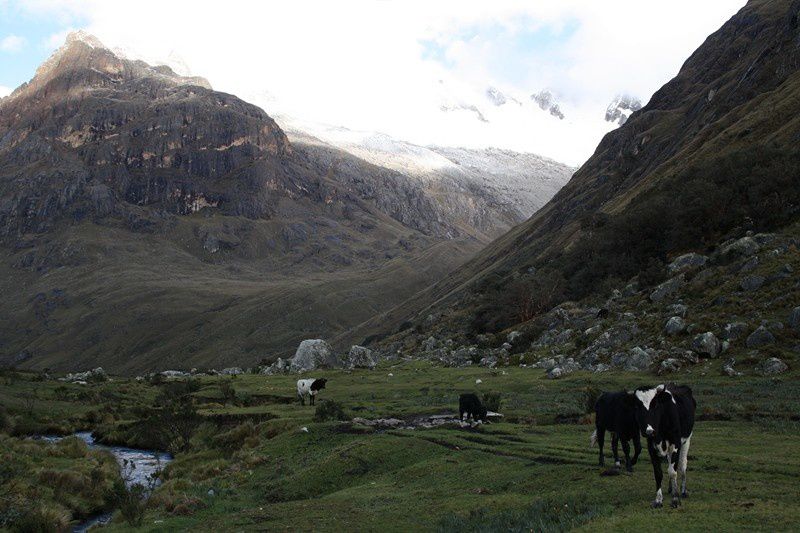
[(706, 344), (304, 429), (669, 365), (678, 310), (601, 367), (794, 318), (728, 369), (772, 366), (746, 246), (675, 325), (751, 264), (687, 262), (211, 493), (760, 337), (734, 330), (667, 288), (514, 335), (478, 381), (506, 346), (752, 283), (232, 371)]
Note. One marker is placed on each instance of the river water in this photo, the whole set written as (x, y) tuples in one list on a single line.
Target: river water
[(136, 466)]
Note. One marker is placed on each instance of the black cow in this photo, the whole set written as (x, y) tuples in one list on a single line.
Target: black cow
[(615, 414), (472, 406), (665, 415)]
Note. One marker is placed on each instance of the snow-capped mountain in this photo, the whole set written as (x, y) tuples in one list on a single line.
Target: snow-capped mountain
[(621, 108)]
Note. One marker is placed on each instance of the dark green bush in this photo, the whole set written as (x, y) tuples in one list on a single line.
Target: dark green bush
[(330, 410), (492, 400)]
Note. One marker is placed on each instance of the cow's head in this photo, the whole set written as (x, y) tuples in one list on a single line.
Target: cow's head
[(649, 405), (319, 384)]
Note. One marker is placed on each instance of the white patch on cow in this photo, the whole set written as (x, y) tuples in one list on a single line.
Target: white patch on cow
[(659, 496), (617, 464), (649, 429), (683, 461), (646, 396), (686, 439)]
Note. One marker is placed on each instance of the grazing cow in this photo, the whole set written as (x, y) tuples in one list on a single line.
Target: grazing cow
[(309, 387), (613, 413), (472, 406), (665, 415)]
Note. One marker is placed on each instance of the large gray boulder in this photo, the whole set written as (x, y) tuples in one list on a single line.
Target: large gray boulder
[(675, 326), (752, 283), (635, 360), (361, 357), (669, 287), (687, 262), (760, 337), (706, 344), (313, 354), (772, 366)]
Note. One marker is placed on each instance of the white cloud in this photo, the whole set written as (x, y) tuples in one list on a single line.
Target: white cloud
[(12, 43), (366, 64), (4, 91)]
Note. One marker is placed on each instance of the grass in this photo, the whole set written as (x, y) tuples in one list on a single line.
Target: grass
[(529, 471)]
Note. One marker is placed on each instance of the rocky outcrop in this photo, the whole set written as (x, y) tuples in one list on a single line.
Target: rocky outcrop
[(760, 337), (772, 367), (706, 344), (360, 357)]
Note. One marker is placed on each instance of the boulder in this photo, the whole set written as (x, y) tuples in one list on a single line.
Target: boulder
[(232, 371), (749, 265), (706, 344), (675, 326), (567, 367), (746, 246), (635, 360), (514, 335), (772, 366), (360, 357), (669, 287), (669, 365), (794, 318), (734, 330), (760, 337), (278, 367), (687, 262), (752, 283), (430, 344), (313, 354), (678, 310)]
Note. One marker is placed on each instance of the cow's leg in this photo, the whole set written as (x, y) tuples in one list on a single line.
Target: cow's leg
[(683, 460), (302, 399), (657, 474), (460, 415), (601, 436), (637, 448), (672, 468), (626, 449), (312, 400), (615, 447)]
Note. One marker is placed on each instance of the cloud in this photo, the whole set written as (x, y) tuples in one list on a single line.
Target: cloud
[(12, 43), (4, 91), (387, 66)]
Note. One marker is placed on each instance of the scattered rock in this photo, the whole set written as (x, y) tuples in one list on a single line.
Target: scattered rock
[(478, 381), (567, 367), (794, 318), (728, 369), (772, 366), (678, 310), (706, 344), (687, 262), (746, 246), (667, 288), (752, 283), (760, 337), (360, 357), (82, 378), (514, 335), (675, 325), (232, 371), (669, 365), (734, 330), (635, 360), (749, 265)]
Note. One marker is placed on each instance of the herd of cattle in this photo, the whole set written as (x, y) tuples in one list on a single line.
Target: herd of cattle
[(664, 415)]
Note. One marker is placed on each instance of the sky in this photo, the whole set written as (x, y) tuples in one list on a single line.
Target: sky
[(412, 69)]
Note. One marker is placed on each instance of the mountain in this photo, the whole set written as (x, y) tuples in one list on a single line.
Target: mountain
[(148, 221), (484, 191), (620, 109), (712, 155)]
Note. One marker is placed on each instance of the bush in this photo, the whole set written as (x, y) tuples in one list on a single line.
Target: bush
[(130, 500), (228, 391), (492, 401), (329, 410)]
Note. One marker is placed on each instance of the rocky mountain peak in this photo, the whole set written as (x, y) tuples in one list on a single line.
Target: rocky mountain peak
[(547, 102), (621, 107)]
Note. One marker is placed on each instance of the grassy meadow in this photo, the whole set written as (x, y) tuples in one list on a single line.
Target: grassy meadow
[(249, 465)]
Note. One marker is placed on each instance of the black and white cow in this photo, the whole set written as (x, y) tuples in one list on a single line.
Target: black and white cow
[(309, 387), (615, 414), (665, 415)]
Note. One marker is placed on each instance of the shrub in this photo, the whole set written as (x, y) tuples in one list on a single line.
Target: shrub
[(329, 410), (492, 400), (130, 500), (228, 391)]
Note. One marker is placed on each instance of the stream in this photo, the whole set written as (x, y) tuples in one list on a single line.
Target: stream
[(136, 466)]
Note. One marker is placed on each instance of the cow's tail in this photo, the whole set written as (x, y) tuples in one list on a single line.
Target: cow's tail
[(593, 439)]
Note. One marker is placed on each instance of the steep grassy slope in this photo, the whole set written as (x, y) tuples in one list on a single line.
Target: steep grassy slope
[(714, 153)]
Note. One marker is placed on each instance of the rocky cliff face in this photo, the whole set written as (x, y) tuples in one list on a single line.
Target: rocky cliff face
[(141, 210)]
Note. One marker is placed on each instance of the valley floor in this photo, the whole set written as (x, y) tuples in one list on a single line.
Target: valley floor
[(251, 466)]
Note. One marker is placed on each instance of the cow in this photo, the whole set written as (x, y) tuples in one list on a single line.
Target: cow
[(613, 413), (470, 404), (665, 415), (309, 387)]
